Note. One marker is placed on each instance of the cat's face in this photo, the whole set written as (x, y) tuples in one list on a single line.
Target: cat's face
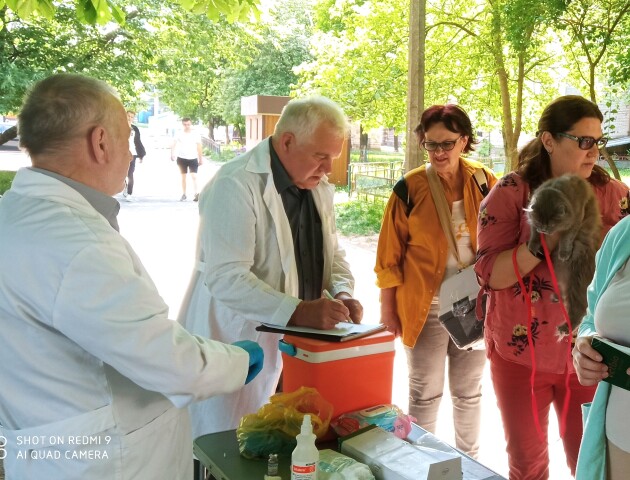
[(550, 211)]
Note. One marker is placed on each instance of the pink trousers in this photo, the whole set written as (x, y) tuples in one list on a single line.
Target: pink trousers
[(528, 455)]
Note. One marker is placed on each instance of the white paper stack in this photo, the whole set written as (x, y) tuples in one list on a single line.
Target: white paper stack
[(391, 458)]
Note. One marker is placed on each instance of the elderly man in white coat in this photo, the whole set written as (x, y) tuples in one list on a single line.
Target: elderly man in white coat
[(267, 248), (94, 377)]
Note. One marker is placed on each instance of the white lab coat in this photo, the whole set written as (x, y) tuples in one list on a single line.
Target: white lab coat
[(87, 350), (247, 275)]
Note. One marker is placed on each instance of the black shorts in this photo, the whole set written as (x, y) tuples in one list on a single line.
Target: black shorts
[(185, 164)]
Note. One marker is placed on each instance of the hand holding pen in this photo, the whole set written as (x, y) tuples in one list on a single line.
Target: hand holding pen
[(320, 313), (355, 309)]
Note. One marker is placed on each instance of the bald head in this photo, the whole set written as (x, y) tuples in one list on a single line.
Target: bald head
[(61, 108), (76, 126)]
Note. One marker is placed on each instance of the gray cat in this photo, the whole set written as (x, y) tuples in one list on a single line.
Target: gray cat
[(567, 204)]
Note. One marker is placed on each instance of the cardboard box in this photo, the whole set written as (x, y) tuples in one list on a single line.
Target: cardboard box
[(391, 458), (351, 375)]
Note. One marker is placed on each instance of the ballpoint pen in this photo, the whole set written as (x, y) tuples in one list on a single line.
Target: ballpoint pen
[(330, 297)]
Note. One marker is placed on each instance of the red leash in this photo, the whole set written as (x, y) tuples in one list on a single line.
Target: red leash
[(528, 301), (527, 295), (554, 280)]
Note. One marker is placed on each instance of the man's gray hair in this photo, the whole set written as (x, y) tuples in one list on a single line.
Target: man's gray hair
[(301, 117), (61, 107)]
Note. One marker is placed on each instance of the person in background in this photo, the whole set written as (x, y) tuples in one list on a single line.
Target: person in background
[(568, 141), (137, 152), (605, 448), (413, 259), (267, 248), (186, 149), (88, 350)]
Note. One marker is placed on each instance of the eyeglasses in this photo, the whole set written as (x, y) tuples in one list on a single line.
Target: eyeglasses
[(586, 143), (446, 146)]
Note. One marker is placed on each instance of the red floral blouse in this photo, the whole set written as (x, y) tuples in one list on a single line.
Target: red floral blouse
[(502, 225)]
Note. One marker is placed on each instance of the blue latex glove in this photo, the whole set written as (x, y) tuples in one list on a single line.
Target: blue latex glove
[(256, 357)]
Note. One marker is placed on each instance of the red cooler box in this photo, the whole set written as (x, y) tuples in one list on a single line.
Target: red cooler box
[(351, 375)]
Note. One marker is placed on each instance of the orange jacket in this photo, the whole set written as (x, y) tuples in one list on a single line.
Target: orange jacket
[(412, 251)]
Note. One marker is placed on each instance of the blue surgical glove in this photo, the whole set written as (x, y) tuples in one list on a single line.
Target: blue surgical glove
[(256, 357)]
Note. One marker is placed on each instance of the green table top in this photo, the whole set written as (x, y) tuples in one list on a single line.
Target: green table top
[(218, 452)]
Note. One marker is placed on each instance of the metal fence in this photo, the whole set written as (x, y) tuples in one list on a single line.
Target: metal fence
[(373, 181), (213, 145)]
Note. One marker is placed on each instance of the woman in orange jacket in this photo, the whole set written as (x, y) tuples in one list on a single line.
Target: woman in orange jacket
[(413, 259)]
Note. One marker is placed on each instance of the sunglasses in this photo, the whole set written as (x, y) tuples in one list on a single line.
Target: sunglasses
[(446, 146), (586, 143)]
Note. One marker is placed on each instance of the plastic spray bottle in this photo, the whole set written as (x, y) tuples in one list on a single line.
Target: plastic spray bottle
[(305, 456)]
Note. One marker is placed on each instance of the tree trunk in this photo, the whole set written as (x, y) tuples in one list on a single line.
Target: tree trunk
[(509, 138), (415, 81)]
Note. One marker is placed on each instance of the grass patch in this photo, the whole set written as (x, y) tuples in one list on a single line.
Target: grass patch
[(228, 152), (377, 156), (358, 217), (5, 181), (624, 173)]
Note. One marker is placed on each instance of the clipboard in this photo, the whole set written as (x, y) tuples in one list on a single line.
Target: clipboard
[(343, 332)]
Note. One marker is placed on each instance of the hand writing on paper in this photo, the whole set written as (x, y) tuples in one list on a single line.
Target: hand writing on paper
[(321, 313), (355, 309)]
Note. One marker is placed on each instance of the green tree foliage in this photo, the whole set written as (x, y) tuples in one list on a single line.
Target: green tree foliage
[(360, 60), (195, 54), (209, 66), (490, 57), (269, 71), (31, 50), (275, 47), (597, 41), (102, 12), (620, 73)]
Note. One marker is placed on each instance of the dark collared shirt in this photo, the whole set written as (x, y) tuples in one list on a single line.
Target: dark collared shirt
[(103, 204), (306, 228)]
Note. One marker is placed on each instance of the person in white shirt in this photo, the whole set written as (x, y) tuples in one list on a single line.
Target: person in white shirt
[(268, 248), (186, 149), (95, 378)]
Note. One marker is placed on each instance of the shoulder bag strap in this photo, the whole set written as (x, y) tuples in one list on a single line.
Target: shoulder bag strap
[(437, 192), (481, 181)]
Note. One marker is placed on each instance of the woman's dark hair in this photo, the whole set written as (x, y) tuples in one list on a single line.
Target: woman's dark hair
[(534, 163), (454, 119)]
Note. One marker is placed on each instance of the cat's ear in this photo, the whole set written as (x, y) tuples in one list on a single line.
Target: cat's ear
[(547, 141)]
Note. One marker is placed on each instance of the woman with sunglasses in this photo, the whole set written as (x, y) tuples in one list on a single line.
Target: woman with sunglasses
[(413, 259), (568, 141)]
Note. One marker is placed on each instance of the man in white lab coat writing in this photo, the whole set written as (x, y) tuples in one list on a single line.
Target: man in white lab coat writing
[(94, 377), (267, 248)]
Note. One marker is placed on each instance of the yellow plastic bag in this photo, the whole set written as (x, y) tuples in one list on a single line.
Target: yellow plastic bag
[(274, 427)]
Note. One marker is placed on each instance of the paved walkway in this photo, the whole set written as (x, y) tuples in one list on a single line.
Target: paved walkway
[(162, 230)]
